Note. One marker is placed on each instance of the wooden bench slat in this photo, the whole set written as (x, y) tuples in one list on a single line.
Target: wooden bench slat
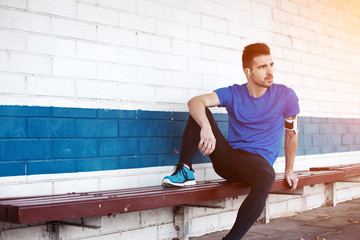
[(53, 199), (28, 210)]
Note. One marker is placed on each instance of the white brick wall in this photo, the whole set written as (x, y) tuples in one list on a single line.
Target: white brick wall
[(317, 44)]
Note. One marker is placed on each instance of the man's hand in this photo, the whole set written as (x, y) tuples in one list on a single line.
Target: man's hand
[(292, 180), (207, 140)]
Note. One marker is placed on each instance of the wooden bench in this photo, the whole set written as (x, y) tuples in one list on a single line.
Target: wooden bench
[(41, 209)]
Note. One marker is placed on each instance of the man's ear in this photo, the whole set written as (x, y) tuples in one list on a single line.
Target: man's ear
[(247, 72)]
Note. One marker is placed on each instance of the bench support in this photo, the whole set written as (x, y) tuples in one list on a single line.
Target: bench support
[(181, 220), (220, 204), (94, 222)]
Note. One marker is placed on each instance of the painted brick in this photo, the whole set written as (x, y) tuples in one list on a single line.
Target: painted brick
[(25, 63), (181, 47), (177, 128), (12, 169), (311, 129), (172, 62), (355, 147), (348, 139), (168, 159), (24, 21), (118, 72), (305, 141), (342, 148), (201, 35), (154, 217), (131, 128), (25, 111), (312, 150), (225, 40), (116, 36), (172, 95), (50, 127), (151, 146), (112, 113), (240, 30), (73, 68), (155, 115), (50, 86), (51, 45), (75, 148), (334, 140), (52, 166), (118, 147), (12, 128), (327, 149), (204, 224), (74, 112), (94, 51), (73, 29), (136, 22), (96, 89), (319, 140), (72, 185), (354, 129), (98, 164), (144, 233), (30, 149), (151, 9), (171, 29), (12, 40), (12, 84), (135, 92), (167, 231), (136, 57), (97, 14), (63, 8), (96, 128), (138, 162), (202, 66), (120, 4), (214, 24), (16, 4)]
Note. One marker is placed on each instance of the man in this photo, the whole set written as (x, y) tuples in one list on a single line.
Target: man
[(258, 112)]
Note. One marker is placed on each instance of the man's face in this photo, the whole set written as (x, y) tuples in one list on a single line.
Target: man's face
[(261, 71)]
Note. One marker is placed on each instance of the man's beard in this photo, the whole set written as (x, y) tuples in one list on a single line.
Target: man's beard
[(264, 83)]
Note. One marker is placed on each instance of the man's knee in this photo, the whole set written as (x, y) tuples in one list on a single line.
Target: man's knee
[(265, 179)]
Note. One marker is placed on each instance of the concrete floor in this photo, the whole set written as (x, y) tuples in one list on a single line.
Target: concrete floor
[(326, 223)]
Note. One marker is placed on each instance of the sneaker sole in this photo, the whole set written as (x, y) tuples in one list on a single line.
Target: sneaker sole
[(168, 183)]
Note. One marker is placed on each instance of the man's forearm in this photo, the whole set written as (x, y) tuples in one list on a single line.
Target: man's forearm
[(291, 144), (197, 111), (197, 107)]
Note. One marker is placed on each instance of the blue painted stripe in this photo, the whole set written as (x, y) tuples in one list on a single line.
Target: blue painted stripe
[(46, 140)]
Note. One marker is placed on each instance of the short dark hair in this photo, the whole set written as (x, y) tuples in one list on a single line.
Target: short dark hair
[(254, 50)]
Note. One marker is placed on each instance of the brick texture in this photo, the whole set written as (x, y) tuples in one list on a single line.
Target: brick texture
[(112, 45)]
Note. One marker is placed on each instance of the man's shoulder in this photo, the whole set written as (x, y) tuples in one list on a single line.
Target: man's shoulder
[(281, 88)]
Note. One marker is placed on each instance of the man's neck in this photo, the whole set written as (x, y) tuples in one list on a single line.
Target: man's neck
[(255, 91)]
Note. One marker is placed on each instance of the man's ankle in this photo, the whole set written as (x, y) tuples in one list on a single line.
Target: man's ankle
[(187, 166)]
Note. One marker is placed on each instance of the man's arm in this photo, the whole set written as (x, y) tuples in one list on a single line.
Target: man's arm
[(197, 111), (291, 144)]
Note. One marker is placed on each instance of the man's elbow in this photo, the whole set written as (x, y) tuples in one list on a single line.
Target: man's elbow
[(291, 135), (194, 101)]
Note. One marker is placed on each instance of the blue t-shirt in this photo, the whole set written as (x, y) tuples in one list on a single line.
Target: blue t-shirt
[(257, 124)]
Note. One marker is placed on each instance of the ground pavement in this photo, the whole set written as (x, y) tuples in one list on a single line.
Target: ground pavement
[(326, 223)]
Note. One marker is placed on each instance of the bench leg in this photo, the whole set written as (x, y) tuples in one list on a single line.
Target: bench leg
[(267, 210), (181, 221), (331, 194)]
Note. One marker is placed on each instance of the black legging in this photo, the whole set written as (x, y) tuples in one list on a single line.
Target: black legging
[(233, 165)]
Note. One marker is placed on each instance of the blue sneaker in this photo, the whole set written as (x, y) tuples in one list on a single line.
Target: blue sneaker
[(182, 176)]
